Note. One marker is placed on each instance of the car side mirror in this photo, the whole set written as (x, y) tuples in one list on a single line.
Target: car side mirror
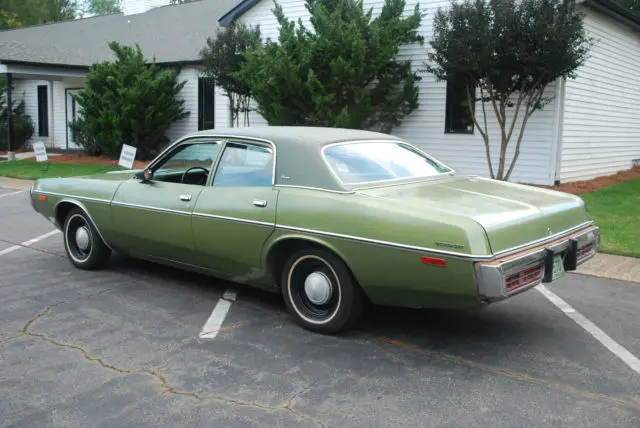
[(145, 176)]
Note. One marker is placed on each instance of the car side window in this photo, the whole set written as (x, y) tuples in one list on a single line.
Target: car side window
[(245, 165), (189, 163)]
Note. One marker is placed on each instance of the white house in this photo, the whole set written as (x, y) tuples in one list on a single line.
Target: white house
[(591, 128)]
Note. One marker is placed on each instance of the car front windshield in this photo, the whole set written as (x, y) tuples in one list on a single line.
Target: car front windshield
[(369, 162)]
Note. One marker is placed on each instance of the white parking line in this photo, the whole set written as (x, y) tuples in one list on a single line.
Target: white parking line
[(621, 352), (214, 323), (12, 193), (29, 242)]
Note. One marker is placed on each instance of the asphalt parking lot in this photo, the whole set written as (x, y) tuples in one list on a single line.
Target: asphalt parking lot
[(120, 347)]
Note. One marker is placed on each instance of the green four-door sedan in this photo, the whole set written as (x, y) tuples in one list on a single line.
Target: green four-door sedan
[(330, 218)]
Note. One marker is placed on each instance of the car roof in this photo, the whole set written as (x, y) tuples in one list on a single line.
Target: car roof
[(299, 159)]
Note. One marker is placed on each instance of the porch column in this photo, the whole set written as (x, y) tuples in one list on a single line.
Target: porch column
[(9, 84)]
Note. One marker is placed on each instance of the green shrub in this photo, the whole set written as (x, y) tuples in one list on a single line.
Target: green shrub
[(127, 101), (22, 123)]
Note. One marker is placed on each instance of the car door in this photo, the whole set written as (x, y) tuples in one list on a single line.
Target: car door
[(235, 215), (154, 217)]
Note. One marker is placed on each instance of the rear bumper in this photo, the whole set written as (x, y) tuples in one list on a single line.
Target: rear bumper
[(536, 262)]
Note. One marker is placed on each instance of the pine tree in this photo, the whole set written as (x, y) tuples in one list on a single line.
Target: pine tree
[(127, 101), (344, 71)]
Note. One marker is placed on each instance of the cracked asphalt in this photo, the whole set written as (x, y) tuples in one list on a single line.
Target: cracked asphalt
[(120, 347)]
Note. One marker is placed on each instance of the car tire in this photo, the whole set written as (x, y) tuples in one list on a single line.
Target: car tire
[(320, 291), (82, 242)]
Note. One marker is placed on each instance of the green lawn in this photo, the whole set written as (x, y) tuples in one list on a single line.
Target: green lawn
[(616, 210), (30, 170)]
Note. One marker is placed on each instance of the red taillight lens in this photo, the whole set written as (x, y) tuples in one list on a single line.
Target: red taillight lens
[(524, 277), (433, 261), (584, 252)]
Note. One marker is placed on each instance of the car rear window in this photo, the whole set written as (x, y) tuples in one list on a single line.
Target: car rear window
[(367, 162)]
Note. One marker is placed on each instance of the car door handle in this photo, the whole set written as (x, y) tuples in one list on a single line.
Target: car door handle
[(260, 203), (185, 198)]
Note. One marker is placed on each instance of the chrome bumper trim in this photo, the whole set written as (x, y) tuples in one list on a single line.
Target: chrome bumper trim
[(490, 275)]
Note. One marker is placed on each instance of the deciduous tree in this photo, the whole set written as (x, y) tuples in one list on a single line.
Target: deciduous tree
[(505, 53), (222, 57), (102, 7)]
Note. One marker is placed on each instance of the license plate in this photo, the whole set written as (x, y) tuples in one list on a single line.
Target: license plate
[(558, 268)]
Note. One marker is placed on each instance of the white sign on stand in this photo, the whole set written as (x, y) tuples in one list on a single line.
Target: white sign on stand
[(40, 151), (127, 156)]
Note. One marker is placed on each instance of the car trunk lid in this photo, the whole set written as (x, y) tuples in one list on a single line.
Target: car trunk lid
[(511, 214)]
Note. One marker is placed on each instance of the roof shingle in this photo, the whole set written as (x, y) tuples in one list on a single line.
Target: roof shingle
[(170, 33)]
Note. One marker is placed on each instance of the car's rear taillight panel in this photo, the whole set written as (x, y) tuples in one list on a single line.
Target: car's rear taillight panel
[(524, 277)]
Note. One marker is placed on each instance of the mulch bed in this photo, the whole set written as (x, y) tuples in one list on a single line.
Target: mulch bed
[(585, 186), (79, 158)]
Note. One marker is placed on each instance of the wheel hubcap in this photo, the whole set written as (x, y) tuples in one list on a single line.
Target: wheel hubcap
[(82, 238), (317, 287)]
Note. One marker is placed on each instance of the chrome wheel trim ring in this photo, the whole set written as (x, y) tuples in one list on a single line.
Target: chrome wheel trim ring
[(68, 236), (334, 313)]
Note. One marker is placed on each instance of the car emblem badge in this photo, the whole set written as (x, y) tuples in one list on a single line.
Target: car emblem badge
[(450, 245)]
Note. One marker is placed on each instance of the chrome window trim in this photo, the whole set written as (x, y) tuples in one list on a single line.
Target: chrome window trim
[(321, 189), (239, 140), (224, 138), (391, 180)]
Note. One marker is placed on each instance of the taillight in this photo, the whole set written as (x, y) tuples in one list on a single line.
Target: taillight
[(524, 277), (584, 252)]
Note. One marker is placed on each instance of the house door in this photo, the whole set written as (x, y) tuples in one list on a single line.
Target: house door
[(72, 110)]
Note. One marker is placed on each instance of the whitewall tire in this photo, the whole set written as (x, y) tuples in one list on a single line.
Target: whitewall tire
[(83, 243), (320, 291)]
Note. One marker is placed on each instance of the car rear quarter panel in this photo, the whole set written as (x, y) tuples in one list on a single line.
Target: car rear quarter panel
[(349, 223)]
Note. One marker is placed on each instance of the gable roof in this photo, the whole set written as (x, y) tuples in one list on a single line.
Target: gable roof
[(606, 7), (173, 34)]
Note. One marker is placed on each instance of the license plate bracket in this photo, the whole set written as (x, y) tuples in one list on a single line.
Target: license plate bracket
[(553, 266), (558, 267)]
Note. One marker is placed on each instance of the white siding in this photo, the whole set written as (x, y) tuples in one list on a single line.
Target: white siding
[(61, 134), (262, 14), (190, 95), (27, 90), (601, 130), (425, 126), (131, 7), (223, 112)]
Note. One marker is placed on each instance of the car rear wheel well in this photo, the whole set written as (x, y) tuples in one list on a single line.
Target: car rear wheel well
[(281, 251)]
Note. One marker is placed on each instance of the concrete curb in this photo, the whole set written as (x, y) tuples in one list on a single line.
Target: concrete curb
[(14, 183), (612, 267)]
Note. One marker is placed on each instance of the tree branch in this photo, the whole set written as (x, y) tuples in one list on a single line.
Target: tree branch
[(484, 133), (521, 98)]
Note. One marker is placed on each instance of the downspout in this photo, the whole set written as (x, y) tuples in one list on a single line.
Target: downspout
[(52, 121), (9, 82), (66, 118), (558, 129)]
